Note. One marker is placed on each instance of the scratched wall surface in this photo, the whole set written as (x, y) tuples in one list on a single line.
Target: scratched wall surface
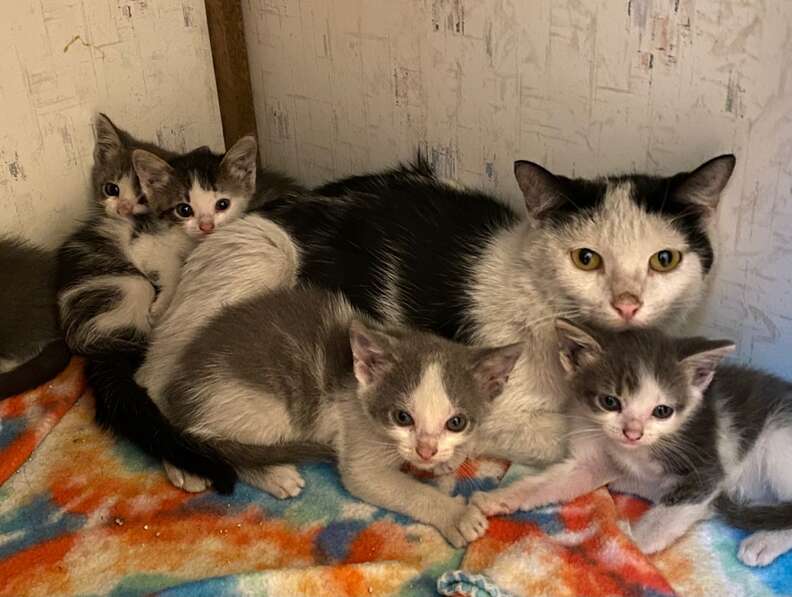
[(584, 87), (147, 64)]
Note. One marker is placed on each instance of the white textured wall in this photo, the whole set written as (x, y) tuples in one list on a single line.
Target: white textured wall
[(146, 63), (583, 86)]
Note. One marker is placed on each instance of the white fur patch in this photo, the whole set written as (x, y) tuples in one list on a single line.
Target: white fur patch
[(244, 258)]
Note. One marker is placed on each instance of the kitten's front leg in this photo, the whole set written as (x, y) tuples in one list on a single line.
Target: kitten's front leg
[(664, 524), (394, 490), (559, 483)]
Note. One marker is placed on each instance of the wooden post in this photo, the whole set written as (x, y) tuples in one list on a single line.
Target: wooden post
[(232, 73)]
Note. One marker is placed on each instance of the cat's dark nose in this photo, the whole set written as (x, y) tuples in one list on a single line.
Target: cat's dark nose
[(426, 452), (627, 305), (633, 434)]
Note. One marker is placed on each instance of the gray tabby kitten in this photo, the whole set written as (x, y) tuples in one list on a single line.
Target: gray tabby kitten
[(118, 271), (656, 416), (297, 373), (31, 347)]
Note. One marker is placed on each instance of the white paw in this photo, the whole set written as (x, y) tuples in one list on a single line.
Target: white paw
[(763, 547), (650, 535), (473, 524), (493, 503), (282, 481), (184, 480)]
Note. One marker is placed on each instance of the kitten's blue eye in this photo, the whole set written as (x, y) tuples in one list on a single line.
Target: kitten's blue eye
[(111, 189), (222, 204), (402, 418), (662, 411), (183, 210), (610, 403), (456, 423)]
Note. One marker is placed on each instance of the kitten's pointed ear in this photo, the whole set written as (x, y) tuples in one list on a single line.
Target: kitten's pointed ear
[(576, 346), (109, 144), (700, 358), (704, 185), (371, 350), (542, 189), (154, 173), (238, 167), (493, 366)]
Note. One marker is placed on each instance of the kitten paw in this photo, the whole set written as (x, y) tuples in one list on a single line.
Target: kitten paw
[(650, 535), (473, 524), (282, 481), (763, 547), (184, 480), (494, 503)]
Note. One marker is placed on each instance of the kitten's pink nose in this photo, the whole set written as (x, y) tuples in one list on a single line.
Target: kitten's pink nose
[(633, 434), (124, 209), (206, 227), (426, 451), (627, 305)]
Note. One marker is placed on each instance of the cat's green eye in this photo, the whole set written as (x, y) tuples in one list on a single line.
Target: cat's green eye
[(456, 423), (610, 403), (402, 418), (586, 259), (665, 260), (661, 411)]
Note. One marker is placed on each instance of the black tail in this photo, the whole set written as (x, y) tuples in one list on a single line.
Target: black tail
[(38, 370), (126, 409), (755, 518)]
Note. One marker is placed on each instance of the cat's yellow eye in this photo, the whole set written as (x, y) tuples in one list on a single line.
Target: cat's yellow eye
[(665, 260), (586, 259)]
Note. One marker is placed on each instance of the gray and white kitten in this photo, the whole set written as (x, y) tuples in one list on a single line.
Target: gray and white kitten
[(409, 249), (295, 374), (656, 416), (118, 271)]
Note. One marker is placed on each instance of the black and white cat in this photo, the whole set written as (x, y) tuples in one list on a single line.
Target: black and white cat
[(659, 417), (407, 248), (119, 270)]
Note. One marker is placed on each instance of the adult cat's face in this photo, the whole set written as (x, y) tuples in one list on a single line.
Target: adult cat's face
[(624, 251)]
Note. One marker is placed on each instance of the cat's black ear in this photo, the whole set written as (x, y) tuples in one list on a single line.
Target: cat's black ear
[(700, 358), (109, 144), (493, 366), (576, 346), (543, 191), (704, 185), (238, 167), (371, 352), (154, 173)]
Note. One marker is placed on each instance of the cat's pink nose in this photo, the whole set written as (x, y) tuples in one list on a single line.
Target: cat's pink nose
[(633, 434), (206, 227), (426, 451), (627, 305), (124, 209)]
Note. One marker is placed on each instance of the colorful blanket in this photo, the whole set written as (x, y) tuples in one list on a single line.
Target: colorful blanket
[(86, 515)]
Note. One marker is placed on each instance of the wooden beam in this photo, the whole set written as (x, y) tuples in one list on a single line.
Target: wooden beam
[(232, 73)]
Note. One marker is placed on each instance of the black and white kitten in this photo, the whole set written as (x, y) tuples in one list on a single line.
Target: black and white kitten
[(295, 374), (657, 416), (407, 248), (119, 271), (32, 350)]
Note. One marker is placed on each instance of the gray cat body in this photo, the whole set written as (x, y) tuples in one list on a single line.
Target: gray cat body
[(31, 346), (295, 374), (659, 417)]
